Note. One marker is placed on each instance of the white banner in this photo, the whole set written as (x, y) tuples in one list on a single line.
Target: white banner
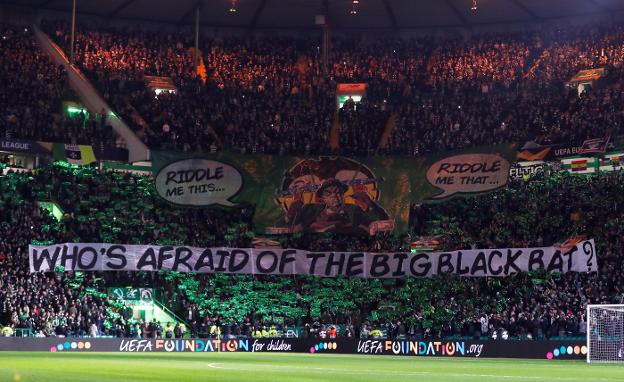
[(525, 170), (470, 263), (198, 182)]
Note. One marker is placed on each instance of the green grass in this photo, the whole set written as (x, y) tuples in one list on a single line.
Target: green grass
[(222, 367)]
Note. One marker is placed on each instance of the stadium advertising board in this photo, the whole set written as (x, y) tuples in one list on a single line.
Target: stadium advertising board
[(337, 194), (532, 151), (58, 151), (580, 257), (475, 349), (415, 348), (22, 146)]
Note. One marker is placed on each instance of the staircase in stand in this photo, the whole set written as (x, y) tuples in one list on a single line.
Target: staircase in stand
[(90, 97)]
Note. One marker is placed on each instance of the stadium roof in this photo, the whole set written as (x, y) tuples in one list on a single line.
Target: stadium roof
[(371, 14)]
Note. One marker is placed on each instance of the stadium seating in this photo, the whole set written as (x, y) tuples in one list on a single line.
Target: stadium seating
[(124, 209), (31, 95), (272, 95)]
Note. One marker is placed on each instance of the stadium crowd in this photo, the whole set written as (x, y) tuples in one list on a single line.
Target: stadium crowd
[(123, 208), (32, 89), (274, 96)]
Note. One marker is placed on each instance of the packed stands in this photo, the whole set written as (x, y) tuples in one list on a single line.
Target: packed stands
[(273, 96), (125, 210), (33, 89)]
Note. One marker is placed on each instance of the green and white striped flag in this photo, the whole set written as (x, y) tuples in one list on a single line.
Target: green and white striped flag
[(612, 161), (581, 165)]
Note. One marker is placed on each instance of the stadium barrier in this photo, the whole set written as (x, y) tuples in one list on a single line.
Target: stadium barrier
[(572, 349)]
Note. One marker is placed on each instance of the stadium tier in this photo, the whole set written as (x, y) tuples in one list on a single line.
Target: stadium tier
[(33, 88), (122, 208), (168, 186), (274, 95)]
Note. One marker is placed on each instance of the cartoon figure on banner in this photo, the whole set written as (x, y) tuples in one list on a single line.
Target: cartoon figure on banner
[(331, 195)]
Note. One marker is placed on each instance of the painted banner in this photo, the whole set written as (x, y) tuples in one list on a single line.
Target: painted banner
[(461, 173), (198, 182), (468, 173), (434, 348), (335, 194), (470, 263), (293, 194)]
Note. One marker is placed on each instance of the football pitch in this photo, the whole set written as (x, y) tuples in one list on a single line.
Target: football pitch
[(108, 367)]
